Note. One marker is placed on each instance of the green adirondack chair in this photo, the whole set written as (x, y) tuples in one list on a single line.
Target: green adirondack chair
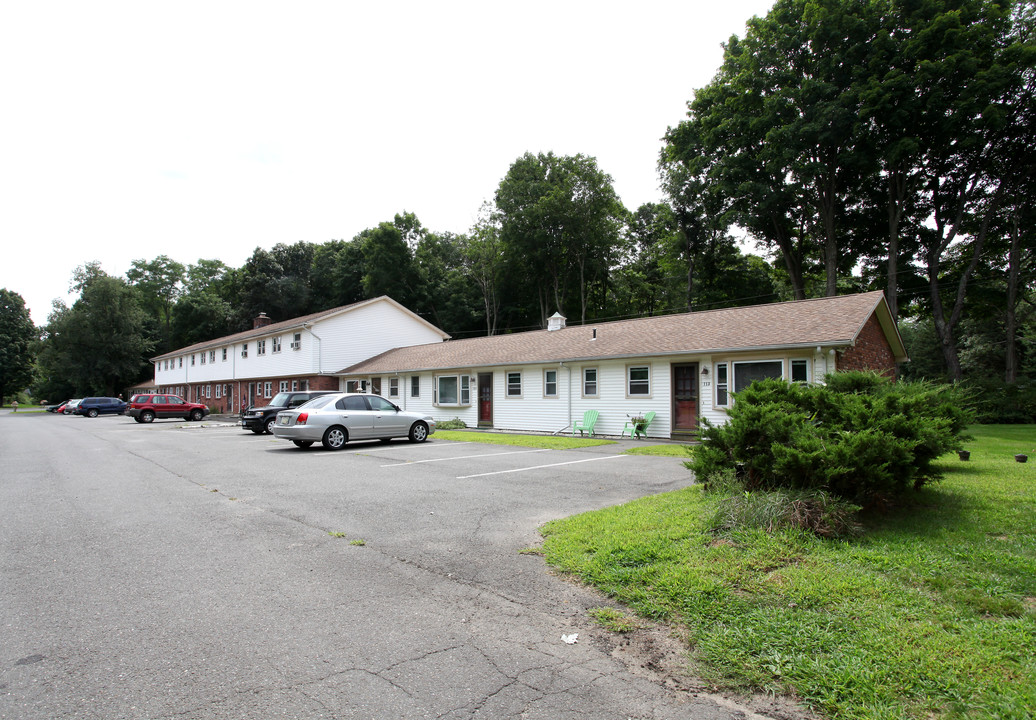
[(587, 423), (637, 429)]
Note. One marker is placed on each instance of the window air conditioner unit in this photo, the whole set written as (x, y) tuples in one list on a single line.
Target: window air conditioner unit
[(296, 345), (244, 353)]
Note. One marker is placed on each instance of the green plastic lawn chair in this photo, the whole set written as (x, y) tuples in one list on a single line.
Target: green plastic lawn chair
[(587, 423), (637, 428)]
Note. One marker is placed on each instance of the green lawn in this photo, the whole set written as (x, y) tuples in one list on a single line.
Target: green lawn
[(930, 614)]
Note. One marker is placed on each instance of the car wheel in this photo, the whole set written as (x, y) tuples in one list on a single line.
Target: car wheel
[(258, 430), (418, 432), (269, 425), (92, 413), (138, 419), (303, 443), (196, 415), (147, 416), (335, 438)]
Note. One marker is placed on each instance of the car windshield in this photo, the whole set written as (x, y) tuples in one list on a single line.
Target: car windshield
[(280, 400), (317, 402)]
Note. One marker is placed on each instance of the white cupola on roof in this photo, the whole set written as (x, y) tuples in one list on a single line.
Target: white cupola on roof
[(555, 322)]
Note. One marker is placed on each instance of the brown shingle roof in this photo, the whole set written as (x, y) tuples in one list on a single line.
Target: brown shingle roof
[(831, 321)]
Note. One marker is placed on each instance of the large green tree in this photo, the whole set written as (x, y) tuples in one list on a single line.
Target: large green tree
[(560, 221), (18, 336), (159, 282)]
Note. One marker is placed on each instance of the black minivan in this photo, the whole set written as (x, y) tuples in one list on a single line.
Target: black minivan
[(94, 406)]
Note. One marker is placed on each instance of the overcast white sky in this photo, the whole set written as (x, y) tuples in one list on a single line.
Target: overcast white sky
[(207, 129)]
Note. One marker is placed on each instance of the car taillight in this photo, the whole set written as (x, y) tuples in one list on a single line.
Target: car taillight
[(301, 419)]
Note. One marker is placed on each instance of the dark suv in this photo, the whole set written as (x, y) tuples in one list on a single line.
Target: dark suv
[(145, 408), (260, 419), (94, 406)]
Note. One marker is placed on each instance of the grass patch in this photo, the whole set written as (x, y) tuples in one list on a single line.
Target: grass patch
[(931, 613), (676, 450), (552, 442), (336, 534), (358, 542), (614, 620)]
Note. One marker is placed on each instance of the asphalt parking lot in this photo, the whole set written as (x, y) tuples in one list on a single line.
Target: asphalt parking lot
[(199, 571)]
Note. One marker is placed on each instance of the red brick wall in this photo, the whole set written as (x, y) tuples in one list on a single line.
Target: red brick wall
[(871, 352)]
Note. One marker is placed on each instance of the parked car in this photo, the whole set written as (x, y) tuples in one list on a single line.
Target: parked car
[(146, 407), (94, 406), (337, 418), (55, 408), (260, 419), (70, 406)]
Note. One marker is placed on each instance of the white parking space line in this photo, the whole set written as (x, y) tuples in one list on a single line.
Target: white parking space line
[(467, 457), (540, 467), (393, 446)]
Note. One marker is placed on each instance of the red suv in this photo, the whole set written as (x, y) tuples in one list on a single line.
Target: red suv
[(145, 408)]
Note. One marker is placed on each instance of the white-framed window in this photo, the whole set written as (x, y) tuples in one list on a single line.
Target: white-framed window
[(208, 391), (181, 362), (514, 384), (244, 350), (224, 354), (192, 359), (296, 341), (305, 385), (415, 386), (722, 385), (212, 356), (284, 386), (277, 344), (219, 393), (203, 358), (453, 390), (260, 347), (268, 389), (638, 381), (550, 383), (294, 385), (746, 373), (590, 388), (800, 371), (393, 387)]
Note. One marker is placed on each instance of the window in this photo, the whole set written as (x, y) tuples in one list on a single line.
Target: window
[(453, 390), (638, 381), (192, 359), (415, 386), (746, 373), (722, 385), (394, 387), (203, 358), (212, 356), (276, 344), (514, 384), (800, 371), (260, 348), (296, 341), (305, 385), (589, 382), (218, 393), (550, 383), (244, 350), (284, 386), (376, 385), (224, 354), (208, 391), (268, 389), (294, 385), (181, 362)]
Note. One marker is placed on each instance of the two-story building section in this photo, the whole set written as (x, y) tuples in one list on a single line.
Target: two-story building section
[(304, 353)]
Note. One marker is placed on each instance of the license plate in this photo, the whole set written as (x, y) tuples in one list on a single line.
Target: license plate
[(283, 420)]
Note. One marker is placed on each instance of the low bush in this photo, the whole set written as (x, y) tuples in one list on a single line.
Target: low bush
[(454, 424), (860, 437)]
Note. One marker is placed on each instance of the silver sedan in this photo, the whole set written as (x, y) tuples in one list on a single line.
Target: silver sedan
[(336, 419)]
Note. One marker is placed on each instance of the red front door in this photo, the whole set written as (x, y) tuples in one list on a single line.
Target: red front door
[(685, 398), (485, 399)]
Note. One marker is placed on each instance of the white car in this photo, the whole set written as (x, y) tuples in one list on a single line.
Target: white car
[(336, 419)]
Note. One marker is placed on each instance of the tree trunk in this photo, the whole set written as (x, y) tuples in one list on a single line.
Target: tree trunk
[(1011, 329)]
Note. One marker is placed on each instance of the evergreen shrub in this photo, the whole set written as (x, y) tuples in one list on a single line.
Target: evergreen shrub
[(860, 437)]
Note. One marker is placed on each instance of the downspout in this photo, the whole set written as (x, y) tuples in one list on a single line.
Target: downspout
[(569, 370), (320, 352)]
